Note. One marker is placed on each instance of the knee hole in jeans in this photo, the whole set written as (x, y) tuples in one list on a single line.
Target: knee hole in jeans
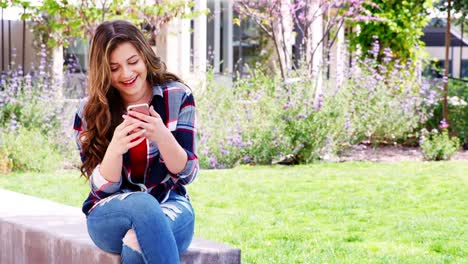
[(130, 239)]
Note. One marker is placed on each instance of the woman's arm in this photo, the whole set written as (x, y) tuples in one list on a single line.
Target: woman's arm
[(177, 149), (105, 179), (111, 166), (122, 141)]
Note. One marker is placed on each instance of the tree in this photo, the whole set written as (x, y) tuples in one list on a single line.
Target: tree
[(447, 66), (59, 22), (399, 29), (449, 6), (279, 17)]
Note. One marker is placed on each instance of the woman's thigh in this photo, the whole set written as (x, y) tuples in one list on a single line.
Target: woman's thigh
[(181, 218), (110, 220)]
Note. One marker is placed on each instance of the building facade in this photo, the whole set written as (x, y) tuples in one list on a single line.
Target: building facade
[(434, 38)]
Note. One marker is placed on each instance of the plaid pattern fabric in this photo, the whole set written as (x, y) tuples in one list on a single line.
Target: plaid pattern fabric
[(175, 104)]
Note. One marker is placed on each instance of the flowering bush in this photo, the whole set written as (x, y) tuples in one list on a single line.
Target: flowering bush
[(31, 117), (248, 110), (30, 100), (387, 102), (437, 145), (457, 111), (271, 121), (28, 150)]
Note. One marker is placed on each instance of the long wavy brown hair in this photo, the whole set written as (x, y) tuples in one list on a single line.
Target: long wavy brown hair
[(104, 108)]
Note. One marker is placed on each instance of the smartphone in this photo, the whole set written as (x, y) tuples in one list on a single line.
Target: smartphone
[(140, 108)]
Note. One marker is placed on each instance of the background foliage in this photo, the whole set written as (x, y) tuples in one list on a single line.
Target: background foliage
[(32, 119), (377, 103), (60, 22), (400, 28)]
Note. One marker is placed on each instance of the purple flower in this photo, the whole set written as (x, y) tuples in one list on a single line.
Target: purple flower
[(288, 105), (236, 141), (206, 151), (443, 124), (388, 56), (445, 79), (319, 104), (375, 48), (347, 124), (13, 122), (213, 162), (224, 152)]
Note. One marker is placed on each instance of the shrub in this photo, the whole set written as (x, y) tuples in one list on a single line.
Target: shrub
[(28, 150), (248, 109), (31, 106), (32, 101), (387, 103), (6, 164), (438, 145), (270, 121), (457, 107), (379, 100)]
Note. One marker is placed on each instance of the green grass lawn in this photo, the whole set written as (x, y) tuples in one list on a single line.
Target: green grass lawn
[(322, 213)]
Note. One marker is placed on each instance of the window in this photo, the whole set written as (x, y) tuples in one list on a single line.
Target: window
[(214, 35), (246, 43), (76, 56), (441, 66), (230, 47), (76, 65), (464, 70)]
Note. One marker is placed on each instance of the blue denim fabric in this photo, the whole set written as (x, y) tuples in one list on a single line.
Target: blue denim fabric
[(163, 231)]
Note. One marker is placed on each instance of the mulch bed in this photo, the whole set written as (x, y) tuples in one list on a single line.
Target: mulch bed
[(390, 153)]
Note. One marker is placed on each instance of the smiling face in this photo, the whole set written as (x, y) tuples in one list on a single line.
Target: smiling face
[(128, 73)]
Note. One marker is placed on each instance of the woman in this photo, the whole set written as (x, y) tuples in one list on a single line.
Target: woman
[(137, 164)]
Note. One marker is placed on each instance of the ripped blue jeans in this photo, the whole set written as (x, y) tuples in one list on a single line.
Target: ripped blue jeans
[(163, 231)]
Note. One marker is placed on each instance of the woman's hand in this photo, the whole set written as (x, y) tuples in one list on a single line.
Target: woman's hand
[(123, 138), (150, 123), (174, 156)]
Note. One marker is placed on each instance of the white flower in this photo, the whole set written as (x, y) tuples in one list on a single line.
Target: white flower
[(454, 100), (424, 131)]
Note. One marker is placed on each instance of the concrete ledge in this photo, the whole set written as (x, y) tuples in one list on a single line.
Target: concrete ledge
[(35, 230)]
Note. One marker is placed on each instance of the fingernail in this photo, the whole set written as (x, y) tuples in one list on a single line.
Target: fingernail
[(124, 116)]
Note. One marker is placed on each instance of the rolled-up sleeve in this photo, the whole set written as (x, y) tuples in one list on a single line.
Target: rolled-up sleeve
[(100, 185), (186, 136)]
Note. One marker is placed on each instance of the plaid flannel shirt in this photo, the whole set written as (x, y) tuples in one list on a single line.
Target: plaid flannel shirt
[(175, 104)]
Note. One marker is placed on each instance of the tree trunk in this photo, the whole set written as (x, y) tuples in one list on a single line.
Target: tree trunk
[(447, 63), (313, 34), (461, 47), (282, 33)]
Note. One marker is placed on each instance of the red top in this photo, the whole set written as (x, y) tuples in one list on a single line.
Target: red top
[(138, 161)]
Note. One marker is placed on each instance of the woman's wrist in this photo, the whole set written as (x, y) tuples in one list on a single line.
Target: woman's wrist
[(113, 151), (162, 132), (111, 165)]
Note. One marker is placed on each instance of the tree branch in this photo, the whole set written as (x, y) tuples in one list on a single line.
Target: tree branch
[(251, 15)]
